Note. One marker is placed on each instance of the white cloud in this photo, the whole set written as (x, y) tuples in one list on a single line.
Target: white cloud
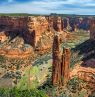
[(49, 6)]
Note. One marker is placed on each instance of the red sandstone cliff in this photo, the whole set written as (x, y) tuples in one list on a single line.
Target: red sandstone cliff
[(92, 29), (55, 23), (13, 23), (30, 27)]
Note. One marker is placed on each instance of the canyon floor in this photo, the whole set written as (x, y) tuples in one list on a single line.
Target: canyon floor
[(38, 73)]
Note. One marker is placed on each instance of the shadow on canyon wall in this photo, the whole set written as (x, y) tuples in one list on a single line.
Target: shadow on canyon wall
[(29, 38), (87, 49)]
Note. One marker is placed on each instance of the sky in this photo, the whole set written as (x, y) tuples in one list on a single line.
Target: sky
[(82, 7)]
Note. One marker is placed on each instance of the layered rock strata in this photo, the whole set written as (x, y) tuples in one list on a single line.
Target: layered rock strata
[(61, 64), (92, 29)]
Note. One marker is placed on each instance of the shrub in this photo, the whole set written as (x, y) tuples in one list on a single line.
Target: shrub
[(14, 92), (2, 59)]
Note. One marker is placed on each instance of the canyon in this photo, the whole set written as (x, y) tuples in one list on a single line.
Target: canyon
[(31, 27), (27, 37)]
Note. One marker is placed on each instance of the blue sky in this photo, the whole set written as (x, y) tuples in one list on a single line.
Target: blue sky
[(86, 7)]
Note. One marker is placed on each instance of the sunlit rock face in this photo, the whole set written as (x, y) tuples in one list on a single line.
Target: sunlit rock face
[(35, 27), (66, 64), (51, 23), (32, 27), (56, 75), (76, 25), (92, 29), (60, 64), (58, 24), (3, 36), (29, 27), (55, 23), (68, 23)]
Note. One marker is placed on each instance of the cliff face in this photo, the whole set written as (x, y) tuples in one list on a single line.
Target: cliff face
[(92, 29), (36, 31), (13, 23), (55, 23), (76, 23), (3, 36), (30, 27), (35, 27)]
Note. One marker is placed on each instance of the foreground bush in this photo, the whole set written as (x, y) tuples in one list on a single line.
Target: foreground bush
[(25, 93)]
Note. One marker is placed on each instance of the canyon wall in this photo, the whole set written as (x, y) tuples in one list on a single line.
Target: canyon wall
[(56, 23), (92, 29), (37, 31), (13, 23), (30, 27), (76, 23), (35, 27)]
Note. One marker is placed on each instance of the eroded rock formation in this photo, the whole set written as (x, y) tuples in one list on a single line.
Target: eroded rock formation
[(65, 66), (77, 23), (13, 23), (56, 68), (3, 36), (55, 23), (92, 29), (35, 27), (30, 27), (36, 31), (85, 74), (61, 64)]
